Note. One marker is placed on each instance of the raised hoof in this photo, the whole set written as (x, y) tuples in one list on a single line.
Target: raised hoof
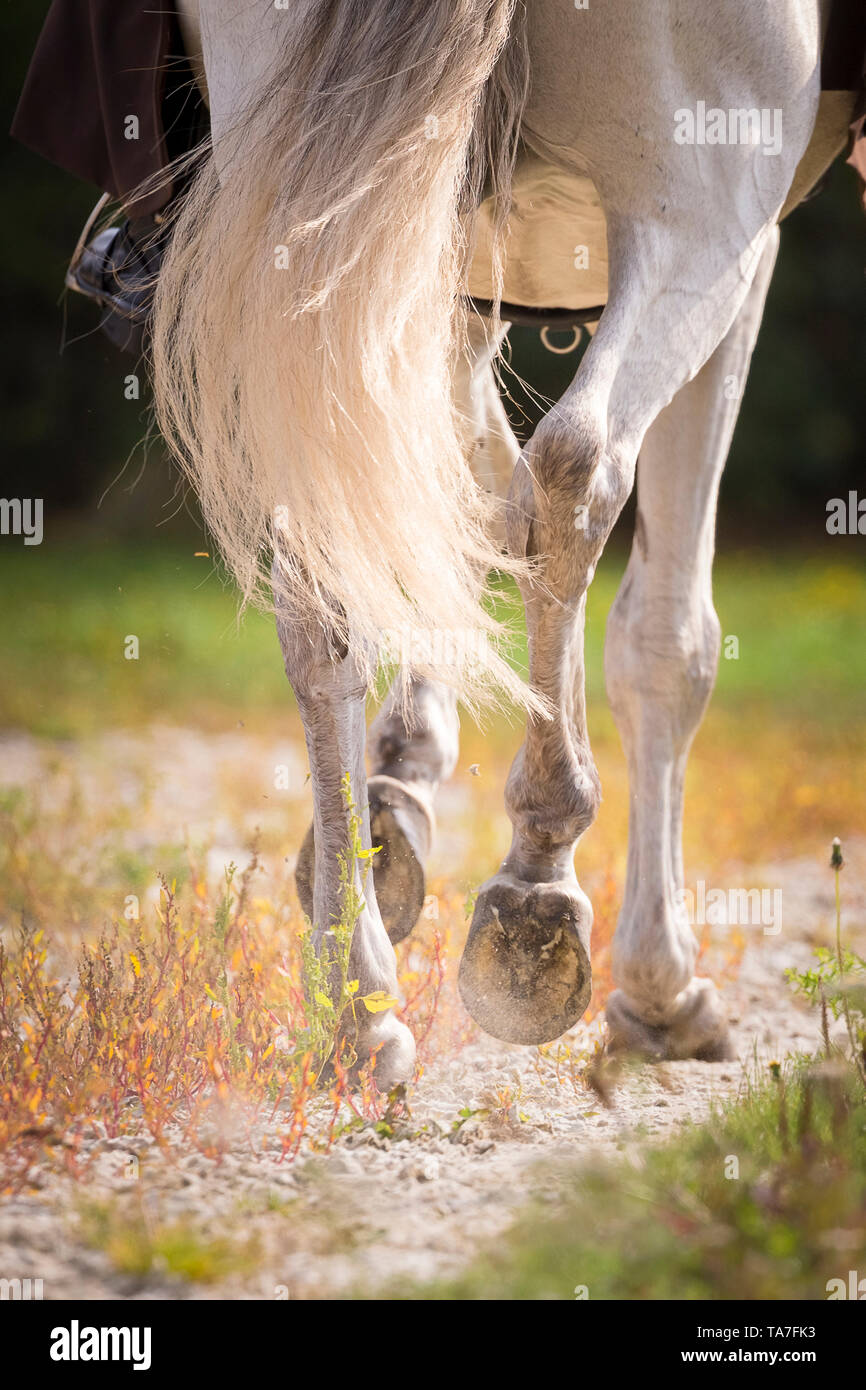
[(401, 828), (696, 1027), (525, 975)]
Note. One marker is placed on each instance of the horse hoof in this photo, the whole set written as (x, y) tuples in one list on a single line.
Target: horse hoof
[(401, 827), (695, 1027), (525, 975), (401, 824), (394, 1049)]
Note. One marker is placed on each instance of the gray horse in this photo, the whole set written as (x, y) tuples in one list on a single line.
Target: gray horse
[(321, 381)]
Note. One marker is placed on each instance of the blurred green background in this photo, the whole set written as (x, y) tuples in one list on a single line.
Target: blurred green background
[(72, 438)]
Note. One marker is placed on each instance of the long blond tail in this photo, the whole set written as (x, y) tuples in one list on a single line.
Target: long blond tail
[(307, 323)]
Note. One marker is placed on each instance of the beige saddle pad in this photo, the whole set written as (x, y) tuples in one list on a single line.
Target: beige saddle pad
[(557, 241)]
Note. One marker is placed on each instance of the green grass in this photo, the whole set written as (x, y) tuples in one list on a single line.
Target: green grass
[(767, 1201), (137, 1245), (800, 623), (64, 672), (69, 609)]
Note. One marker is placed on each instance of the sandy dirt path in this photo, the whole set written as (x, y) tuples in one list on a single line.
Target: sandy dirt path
[(375, 1209)]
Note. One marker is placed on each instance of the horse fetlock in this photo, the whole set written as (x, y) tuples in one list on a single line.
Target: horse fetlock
[(391, 1045), (420, 745), (654, 955), (694, 1025), (552, 807)]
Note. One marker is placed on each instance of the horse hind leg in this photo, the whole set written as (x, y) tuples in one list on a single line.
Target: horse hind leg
[(413, 743), (525, 974), (687, 229), (413, 747), (661, 658), (410, 755), (331, 696)]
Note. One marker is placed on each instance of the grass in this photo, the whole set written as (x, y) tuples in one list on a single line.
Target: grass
[(63, 673), (205, 1021), (137, 1244), (776, 762)]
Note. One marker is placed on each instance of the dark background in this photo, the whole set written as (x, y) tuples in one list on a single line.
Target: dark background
[(72, 438)]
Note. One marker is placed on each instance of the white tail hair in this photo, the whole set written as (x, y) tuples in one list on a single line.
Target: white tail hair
[(308, 318)]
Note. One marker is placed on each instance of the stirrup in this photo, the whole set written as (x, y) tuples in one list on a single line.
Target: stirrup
[(117, 269)]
